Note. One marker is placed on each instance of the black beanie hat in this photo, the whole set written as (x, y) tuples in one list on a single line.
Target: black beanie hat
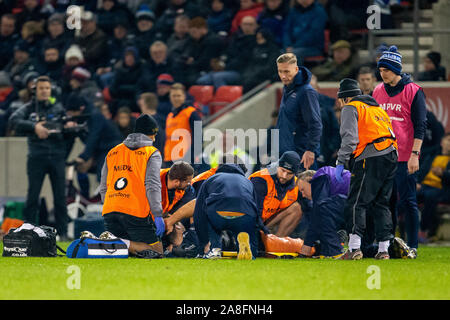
[(348, 88), (435, 57), (290, 160), (75, 102), (146, 124)]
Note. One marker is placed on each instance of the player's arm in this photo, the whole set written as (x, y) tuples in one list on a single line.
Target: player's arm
[(186, 211), (349, 134), (153, 184), (419, 120), (104, 176)]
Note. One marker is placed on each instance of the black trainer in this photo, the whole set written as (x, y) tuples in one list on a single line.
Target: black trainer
[(149, 254)]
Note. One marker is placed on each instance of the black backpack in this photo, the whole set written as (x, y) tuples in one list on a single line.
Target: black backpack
[(30, 241)]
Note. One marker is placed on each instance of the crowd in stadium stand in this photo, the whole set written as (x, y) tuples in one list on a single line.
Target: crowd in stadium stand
[(124, 56), (122, 47)]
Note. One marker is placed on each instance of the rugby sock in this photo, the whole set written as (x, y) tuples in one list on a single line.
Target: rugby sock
[(383, 246), (354, 242)]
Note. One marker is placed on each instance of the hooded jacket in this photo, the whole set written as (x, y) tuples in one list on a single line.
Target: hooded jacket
[(350, 133), (152, 179), (305, 27), (299, 121), (418, 105), (227, 190)]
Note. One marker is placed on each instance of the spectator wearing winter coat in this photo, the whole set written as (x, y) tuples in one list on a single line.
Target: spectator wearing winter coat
[(20, 64), (24, 96), (273, 18), (110, 12), (201, 47), (51, 65), (118, 41), (32, 11), (260, 67), (304, 29), (433, 69), (163, 84), (179, 37), (340, 66), (247, 8), (346, 15), (33, 33), (73, 58), (148, 104), (220, 17), (242, 44), (125, 121), (83, 85), (146, 32), (158, 64), (57, 37), (128, 80), (8, 38), (92, 42), (299, 122), (165, 22)]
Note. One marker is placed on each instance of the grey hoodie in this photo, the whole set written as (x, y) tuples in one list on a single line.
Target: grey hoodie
[(152, 177), (349, 133)]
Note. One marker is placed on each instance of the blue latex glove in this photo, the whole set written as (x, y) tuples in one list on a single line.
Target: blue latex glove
[(338, 173), (160, 226)]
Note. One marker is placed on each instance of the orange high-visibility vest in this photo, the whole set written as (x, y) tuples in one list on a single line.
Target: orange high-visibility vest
[(374, 126), (125, 181), (166, 204), (182, 143), (271, 204), (204, 175)]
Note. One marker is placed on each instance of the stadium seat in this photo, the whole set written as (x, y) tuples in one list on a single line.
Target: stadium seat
[(363, 31), (224, 95), (202, 94)]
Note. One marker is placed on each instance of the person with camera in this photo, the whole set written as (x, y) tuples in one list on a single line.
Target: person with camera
[(98, 135), (41, 120)]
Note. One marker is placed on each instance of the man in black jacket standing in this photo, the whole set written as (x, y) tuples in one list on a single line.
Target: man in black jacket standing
[(39, 120), (299, 121)]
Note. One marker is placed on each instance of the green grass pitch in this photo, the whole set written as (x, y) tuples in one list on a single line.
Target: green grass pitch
[(427, 277)]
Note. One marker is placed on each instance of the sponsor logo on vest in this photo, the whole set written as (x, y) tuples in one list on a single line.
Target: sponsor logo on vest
[(140, 153), (121, 184), (119, 194), (377, 118), (112, 154), (391, 106), (123, 167)]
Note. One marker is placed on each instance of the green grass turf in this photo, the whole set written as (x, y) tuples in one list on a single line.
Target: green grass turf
[(427, 277)]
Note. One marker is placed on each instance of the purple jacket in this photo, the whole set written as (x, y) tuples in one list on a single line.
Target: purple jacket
[(334, 186)]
